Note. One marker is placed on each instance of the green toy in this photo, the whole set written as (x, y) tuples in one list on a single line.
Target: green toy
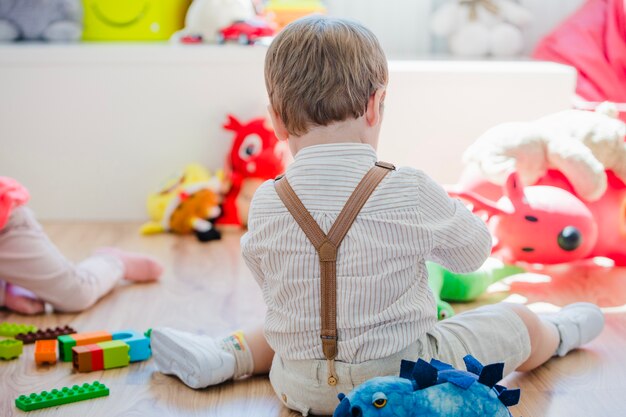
[(462, 288), (10, 348), (65, 395), (13, 329)]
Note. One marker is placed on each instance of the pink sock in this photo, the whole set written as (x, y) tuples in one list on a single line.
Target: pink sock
[(137, 267)]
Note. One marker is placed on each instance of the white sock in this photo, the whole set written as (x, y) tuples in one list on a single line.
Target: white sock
[(236, 345)]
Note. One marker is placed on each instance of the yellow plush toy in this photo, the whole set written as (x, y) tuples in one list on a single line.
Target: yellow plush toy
[(189, 202)]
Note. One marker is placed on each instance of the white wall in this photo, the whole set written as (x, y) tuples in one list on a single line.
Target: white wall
[(92, 129)]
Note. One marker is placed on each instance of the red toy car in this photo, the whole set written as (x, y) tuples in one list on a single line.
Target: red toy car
[(246, 32)]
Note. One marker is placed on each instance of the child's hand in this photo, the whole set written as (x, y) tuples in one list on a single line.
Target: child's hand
[(22, 301)]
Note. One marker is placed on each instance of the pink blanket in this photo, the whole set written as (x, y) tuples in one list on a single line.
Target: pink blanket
[(593, 40)]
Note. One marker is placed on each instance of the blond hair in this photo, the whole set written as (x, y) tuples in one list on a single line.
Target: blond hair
[(321, 70)]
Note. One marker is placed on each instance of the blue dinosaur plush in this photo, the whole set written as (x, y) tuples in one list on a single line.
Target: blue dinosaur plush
[(433, 389), (48, 20)]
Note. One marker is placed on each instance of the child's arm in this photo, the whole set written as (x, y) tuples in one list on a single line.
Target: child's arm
[(459, 240), (249, 246)]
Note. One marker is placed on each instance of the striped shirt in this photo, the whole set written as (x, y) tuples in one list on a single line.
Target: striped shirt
[(383, 300)]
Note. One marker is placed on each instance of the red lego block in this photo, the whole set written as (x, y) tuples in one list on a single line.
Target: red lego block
[(97, 357)]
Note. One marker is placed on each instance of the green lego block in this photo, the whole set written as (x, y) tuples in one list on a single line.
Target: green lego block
[(10, 348), (65, 395), (13, 329), (66, 343), (115, 354)]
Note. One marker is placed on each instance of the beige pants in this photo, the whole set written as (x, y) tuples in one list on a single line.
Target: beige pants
[(491, 334), (30, 260)]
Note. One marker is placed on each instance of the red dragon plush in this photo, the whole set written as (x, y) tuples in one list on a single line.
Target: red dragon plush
[(254, 157)]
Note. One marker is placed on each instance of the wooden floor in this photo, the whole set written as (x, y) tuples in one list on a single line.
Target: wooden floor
[(208, 289)]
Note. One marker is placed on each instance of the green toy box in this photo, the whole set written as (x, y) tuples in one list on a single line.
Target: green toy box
[(133, 20)]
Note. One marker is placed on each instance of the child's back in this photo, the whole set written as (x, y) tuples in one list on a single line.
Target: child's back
[(383, 300)]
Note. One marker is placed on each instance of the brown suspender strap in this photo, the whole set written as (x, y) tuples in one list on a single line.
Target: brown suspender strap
[(327, 245)]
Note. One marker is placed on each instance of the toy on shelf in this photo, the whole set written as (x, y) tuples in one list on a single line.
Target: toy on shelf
[(47, 20), (254, 157), (45, 351), (432, 389), (100, 356), (453, 287), (139, 344), (124, 20), (205, 18), (10, 349), (188, 203), (50, 333), (65, 395), (13, 329), (476, 28), (283, 12), (246, 32), (67, 342)]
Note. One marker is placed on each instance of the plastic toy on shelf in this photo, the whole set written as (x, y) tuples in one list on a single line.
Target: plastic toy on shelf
[(45, 351), (65, 395), (246, 32), (50, 333), (283, 12), (10, 349)]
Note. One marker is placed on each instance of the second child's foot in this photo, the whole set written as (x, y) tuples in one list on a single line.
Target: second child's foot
[(199, 361), (137, 267), (578, 324), (22, 301)]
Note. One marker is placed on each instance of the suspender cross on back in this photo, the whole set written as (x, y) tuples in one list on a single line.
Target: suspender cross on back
[(327, 246)]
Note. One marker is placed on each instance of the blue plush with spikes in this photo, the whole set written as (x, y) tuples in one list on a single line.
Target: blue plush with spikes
[(432, 389)]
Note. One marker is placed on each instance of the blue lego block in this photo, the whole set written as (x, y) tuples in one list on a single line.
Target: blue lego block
[(139, 344)]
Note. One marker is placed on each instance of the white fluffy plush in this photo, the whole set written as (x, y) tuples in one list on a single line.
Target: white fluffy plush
[(580, 144), (476, 28), (206, 17)]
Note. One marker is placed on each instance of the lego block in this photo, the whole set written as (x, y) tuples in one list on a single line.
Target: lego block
[(47, 334), (115, 354), (88, 358), (67, 342), (61, 396), (81, 359), (139, 344), (10, 348), (45, 351), (97, 357), (12, 329)]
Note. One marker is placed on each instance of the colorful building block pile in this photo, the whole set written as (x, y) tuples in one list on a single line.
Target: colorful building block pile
[(61, 396), (139, 345), (10, 348), (67, 342), (47, 334)]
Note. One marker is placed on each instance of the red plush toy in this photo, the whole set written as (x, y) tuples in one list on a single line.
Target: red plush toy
[(547, 223), (255, 157)]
